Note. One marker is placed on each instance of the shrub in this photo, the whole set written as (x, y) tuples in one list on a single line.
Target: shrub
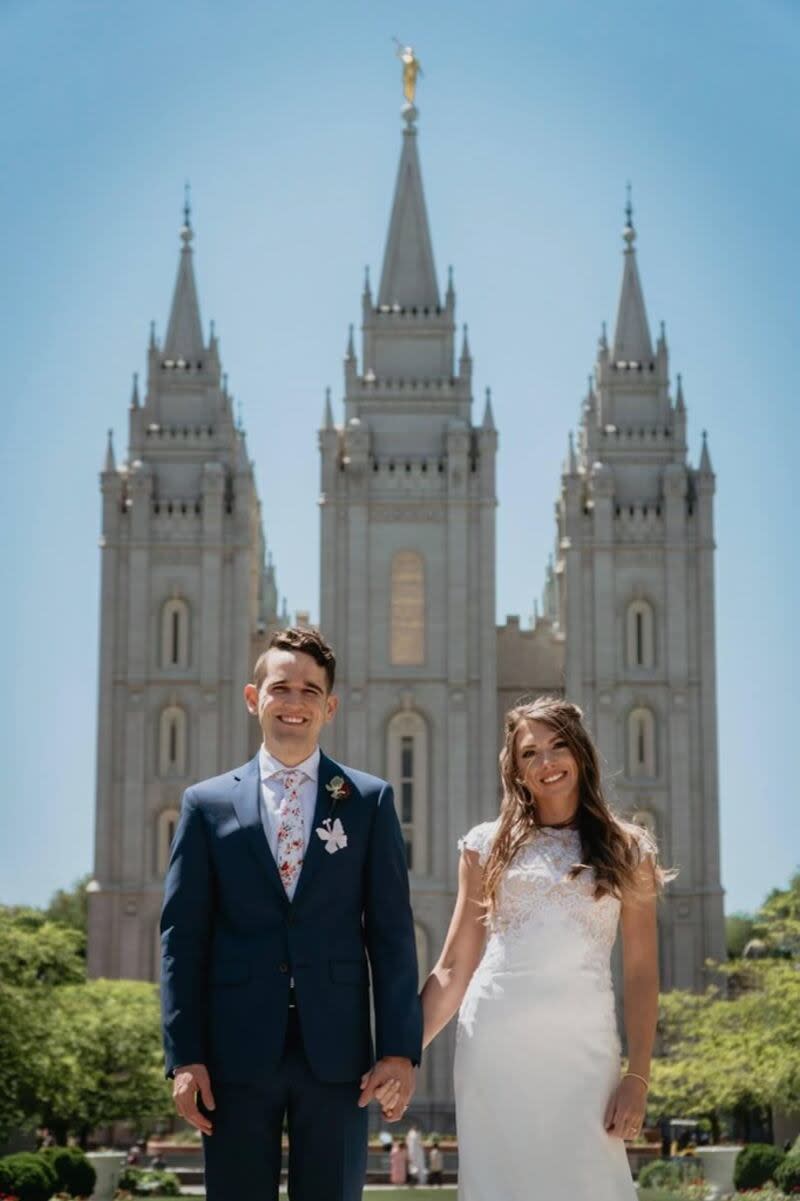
[(661, 1173), (149, 1182), (27, 1176), (74, 1174), (787, 1176), (756, 1164)]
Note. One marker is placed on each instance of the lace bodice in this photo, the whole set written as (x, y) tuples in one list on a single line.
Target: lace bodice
[(538, 898)]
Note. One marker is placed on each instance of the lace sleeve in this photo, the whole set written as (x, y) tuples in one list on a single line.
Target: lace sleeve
[(479, 839)]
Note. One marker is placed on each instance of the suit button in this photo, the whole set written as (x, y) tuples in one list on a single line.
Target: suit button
[(284, 967)]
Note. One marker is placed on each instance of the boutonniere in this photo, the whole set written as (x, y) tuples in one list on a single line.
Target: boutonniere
[(339, 788), (332, 834)]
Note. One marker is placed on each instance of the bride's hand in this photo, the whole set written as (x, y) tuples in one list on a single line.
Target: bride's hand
[(387, 1096), (625, 1111)]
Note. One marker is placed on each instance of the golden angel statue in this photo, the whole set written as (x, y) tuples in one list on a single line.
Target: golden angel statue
[(411, 69)]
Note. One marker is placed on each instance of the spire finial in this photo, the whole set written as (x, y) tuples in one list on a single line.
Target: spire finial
[(488, 412), (110, 463), (239, 417), (367, 286), (603, 337), (629, 232), (572, 462), (212, 331), (705, 457), (465, 343), (152, 335), (327, 412), (449, 279), (187, 233), (135, 391), (351, 350)]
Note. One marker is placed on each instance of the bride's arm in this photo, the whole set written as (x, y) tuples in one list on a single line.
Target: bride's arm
[(626, 1109), (445, 987)]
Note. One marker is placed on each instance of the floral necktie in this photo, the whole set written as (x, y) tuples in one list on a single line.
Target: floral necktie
[(291, 843)]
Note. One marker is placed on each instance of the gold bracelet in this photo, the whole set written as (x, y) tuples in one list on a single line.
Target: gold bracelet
[(636, 1076)]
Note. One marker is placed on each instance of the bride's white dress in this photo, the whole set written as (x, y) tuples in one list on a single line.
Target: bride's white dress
[(537, 1047)]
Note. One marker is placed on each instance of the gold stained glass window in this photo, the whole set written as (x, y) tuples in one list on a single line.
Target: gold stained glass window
[(408, 609)]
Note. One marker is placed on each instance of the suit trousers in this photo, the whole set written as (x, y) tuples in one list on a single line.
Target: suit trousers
[(327, 1134)]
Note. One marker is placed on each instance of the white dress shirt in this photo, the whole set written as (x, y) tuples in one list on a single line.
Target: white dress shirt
[(272, 791)]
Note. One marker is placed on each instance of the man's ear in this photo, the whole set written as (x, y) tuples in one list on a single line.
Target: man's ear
[(251, 699), (331, 706)]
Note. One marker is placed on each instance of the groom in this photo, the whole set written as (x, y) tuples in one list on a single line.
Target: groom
[(286, 896)]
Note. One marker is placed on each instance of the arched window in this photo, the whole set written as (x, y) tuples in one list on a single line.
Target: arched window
[(165, 832), (407, 609), (641, 635), (172, 741), (641, 743), (175, 633), (407, 769)]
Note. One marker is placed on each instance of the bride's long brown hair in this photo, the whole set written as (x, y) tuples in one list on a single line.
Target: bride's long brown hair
[(614, 848)]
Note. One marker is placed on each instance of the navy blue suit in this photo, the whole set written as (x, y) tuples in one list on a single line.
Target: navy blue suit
[(232, 943)]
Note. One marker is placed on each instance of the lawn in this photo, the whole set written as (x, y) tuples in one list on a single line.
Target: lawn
[(448, 1191)]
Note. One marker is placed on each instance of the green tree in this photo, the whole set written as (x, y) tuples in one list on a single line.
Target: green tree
[(726, 1053), (738, 932), (100, 1059), (38, 953), (70, 906), (778, 920)]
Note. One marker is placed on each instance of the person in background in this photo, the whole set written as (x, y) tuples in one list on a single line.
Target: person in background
[(435, 1164), (398, 1163), (416, 1155)]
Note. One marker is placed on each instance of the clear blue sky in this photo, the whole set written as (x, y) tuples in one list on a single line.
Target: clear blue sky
[(285, 117)]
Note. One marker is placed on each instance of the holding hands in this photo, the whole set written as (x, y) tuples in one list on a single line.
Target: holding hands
[(391, 1083)]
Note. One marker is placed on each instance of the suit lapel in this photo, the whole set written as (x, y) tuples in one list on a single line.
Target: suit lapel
[(316, 850), (247, 804)]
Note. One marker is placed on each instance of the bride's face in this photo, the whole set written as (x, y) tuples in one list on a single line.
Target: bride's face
[(547, 767)]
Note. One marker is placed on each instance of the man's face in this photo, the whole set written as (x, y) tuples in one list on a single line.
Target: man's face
[(292, 704)]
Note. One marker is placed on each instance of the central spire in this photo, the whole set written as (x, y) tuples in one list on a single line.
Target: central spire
[(632, 334), (184, 338), (408, 278)]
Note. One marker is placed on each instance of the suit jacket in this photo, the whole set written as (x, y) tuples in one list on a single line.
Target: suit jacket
[(232, 941)]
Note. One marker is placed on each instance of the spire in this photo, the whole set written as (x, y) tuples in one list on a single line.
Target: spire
[(184, 338), (488, 415), (572, 462), (135, 391), (110, 464), (705, 457), (679, 401), (327, 413), (350, 354), (408, 278), (465, 354), (632, 334)]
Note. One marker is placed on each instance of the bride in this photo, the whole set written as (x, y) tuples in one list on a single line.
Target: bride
[(542, 1107)]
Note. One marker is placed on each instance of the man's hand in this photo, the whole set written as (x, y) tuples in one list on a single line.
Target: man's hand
[(391, 1082), (187, 1083)]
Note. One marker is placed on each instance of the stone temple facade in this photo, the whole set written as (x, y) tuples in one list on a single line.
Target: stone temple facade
[(407, 596)]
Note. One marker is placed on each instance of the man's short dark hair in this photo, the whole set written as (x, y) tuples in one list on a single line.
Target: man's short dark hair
[(299, 638)]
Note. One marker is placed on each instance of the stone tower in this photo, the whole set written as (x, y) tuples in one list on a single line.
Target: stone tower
[(635, 575), (408, 569), (185, 602)]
